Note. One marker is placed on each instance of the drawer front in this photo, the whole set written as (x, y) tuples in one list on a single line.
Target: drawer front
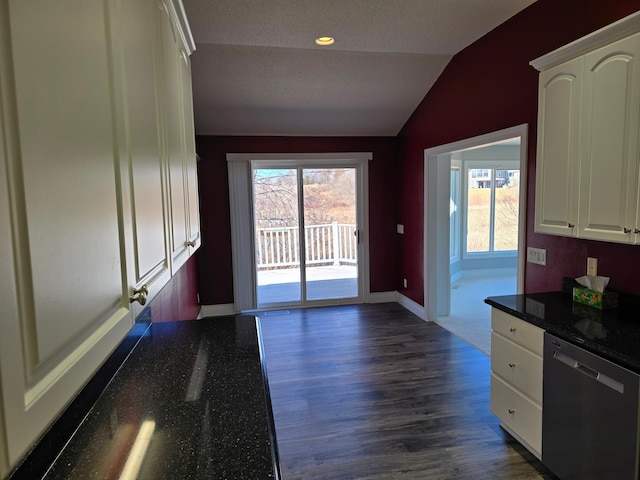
[(517, 366), (518, 331), (517, 412)]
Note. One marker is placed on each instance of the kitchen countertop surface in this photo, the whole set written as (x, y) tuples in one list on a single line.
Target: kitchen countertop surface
[(190, 402), (612, 334)]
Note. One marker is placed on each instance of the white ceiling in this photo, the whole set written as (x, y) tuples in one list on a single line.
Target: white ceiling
[(257, 71)]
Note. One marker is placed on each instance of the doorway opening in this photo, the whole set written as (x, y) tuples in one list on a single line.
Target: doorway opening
[(474, 229)]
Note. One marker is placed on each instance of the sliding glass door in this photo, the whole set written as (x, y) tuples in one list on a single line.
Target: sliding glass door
[(277, 235), (306, 234)]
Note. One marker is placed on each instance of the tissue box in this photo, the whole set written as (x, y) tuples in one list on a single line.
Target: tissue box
[(595, 299)]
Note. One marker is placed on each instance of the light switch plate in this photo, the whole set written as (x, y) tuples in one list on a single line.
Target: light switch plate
[(400, 228)]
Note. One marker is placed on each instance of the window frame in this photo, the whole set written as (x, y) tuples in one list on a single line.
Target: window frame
[(484, 165)]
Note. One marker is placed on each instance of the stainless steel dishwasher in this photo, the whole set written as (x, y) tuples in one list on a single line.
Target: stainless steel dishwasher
[(590, 415)]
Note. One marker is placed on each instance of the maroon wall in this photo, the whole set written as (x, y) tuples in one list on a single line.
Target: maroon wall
[(214, 257), (490, 86), (178, 299)]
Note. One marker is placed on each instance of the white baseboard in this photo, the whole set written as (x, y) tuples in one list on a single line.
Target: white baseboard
[(383, 297), (216, 310), (412, 306), (377, 297)]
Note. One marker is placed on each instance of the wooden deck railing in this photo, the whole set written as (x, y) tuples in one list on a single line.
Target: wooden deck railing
[(330, 244)]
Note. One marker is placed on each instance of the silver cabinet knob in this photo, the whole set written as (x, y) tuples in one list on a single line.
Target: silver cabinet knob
[(512, 329), (139, 295), (511, 365), (190, 243)]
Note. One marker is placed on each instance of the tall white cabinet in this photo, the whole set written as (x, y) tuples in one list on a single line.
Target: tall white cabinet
[(87, 204), (587, 171)]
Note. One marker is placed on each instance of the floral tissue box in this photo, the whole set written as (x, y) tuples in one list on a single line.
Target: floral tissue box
[(595, 299)]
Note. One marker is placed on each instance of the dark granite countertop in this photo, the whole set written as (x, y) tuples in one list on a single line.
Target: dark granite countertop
[(612, 334), (190, 402)]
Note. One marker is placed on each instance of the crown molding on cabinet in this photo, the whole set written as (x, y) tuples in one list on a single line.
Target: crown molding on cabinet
[(606, 35)]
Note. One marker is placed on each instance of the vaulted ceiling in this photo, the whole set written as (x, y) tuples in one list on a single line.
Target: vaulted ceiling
[(257, 71)]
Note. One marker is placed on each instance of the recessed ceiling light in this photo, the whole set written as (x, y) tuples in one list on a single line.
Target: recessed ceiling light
[(324, 41)]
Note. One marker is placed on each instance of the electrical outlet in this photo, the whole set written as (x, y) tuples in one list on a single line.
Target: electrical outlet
[(404, 282), (537, 255), (592, 266)]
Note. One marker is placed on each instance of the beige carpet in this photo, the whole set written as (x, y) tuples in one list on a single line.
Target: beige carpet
[(470, 317)]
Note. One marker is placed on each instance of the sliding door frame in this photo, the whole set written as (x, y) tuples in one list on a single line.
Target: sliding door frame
[(240, 167)]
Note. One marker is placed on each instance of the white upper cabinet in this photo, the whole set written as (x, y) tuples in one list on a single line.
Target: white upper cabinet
[(609, 167), (179, 139), (98, 184), (142, 162), (191, 165), (588, 123), (68, 304), (559, 116)]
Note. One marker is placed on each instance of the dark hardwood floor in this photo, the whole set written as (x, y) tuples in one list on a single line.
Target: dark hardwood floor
[(373, 392)]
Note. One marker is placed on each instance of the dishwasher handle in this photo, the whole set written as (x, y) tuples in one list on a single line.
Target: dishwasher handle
[(586, 370), (589, 372)]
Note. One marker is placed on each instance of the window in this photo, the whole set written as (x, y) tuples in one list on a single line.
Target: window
[(454, 214), (492, 198)]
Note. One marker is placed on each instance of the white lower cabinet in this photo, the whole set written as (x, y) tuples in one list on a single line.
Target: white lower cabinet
[(516, 378), (521, 415)]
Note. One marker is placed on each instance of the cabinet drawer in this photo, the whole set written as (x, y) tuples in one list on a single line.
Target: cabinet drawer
[(518, 331), (517, 366), (520, 414)]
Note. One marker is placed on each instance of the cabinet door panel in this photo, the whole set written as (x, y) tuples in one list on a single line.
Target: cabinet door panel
[(66, 243), (518, 331), (174, 132), (520, 414), (191, 166), (517, 366), (609, 167), (138, 109), (179, 139), (557, 166)]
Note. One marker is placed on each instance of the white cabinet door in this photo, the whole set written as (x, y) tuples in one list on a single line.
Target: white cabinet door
[(559, 99), (521, 415), (609, 169), (138, 97), (191, 166), (8, 297), (68, 306), (178, 141)]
